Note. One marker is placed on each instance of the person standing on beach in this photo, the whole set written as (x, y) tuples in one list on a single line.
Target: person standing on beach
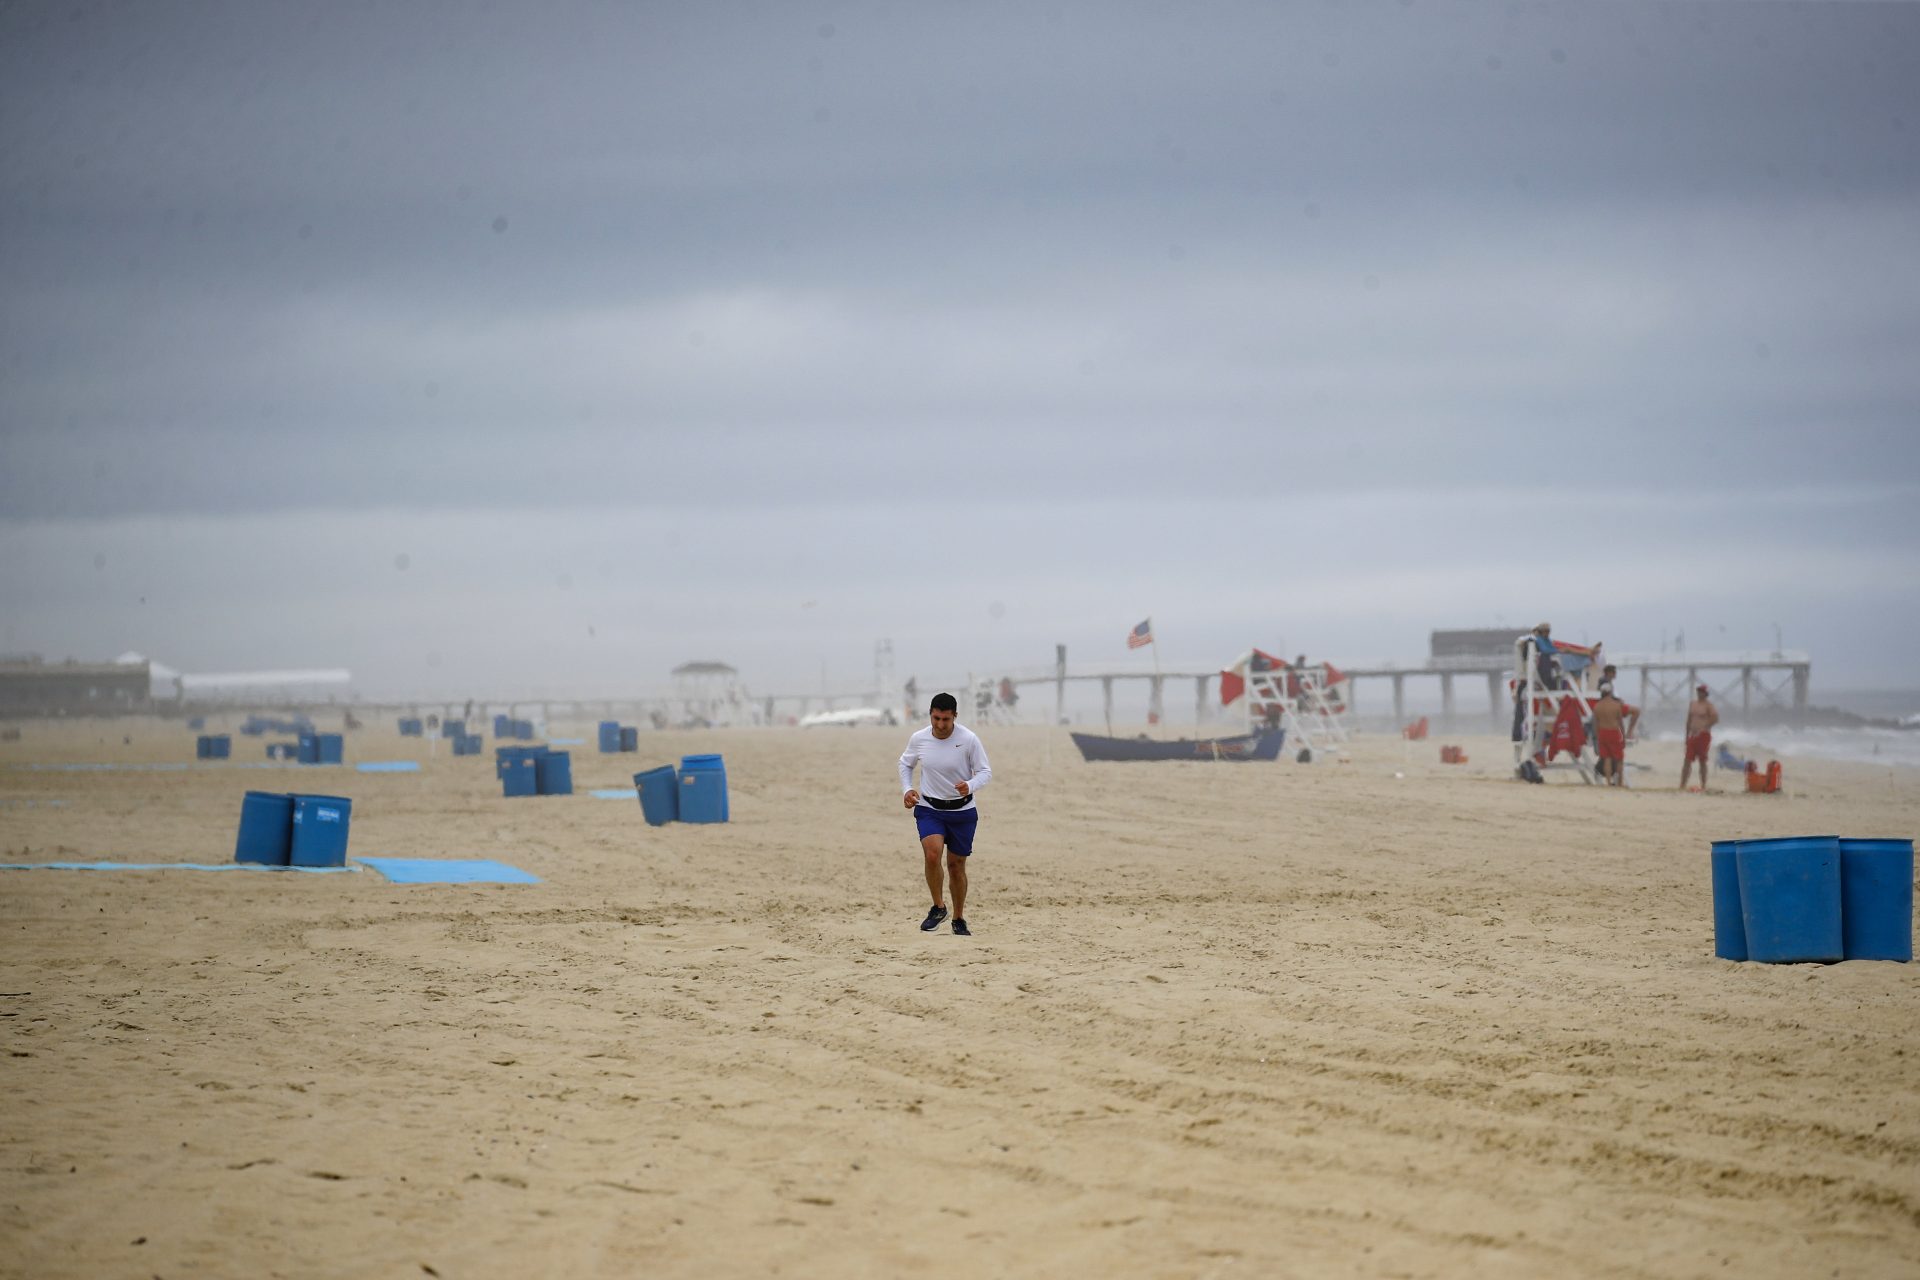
[(1611, 719), (953, 767), (1701, 717)]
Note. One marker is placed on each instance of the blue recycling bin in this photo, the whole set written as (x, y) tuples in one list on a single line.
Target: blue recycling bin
[(609, 736), (629, 738), (703, 789), (1876, 899), (1729, 927), (410, 727), (502, 727), (202, 747), (308, 750), (553, 773), (659, 794), (1790, 899), (266, 829), (320, 825), (331, 748)]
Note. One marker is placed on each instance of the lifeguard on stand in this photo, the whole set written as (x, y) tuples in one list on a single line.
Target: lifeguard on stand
[(1552, 703), (1303, 698)]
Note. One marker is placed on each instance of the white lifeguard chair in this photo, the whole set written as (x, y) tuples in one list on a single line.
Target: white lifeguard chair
[(1302, 698), (1554, 686)]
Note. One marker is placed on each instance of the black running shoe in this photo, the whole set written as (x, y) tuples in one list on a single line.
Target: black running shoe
[(960, 928), (934, 917)]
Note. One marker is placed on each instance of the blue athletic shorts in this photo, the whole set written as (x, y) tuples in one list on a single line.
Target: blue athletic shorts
[(956, 826)]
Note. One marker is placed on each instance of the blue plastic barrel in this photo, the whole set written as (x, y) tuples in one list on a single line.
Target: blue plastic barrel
[(1729, 929), (1876, 899), (266, 828), (320, 826), (629, 738), (703, 789), (553, 773), (659, 794), (1790, 899), (519, 776), (331, 748), (609, 736)]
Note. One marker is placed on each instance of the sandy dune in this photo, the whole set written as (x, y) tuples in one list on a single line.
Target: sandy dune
[(1216, 1020)]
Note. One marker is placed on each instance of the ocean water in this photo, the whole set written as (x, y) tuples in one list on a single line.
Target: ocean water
[(1865, 746)]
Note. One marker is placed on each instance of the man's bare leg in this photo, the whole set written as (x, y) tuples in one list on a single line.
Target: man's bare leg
[(1686, 773), (933, 847), (957, 877)]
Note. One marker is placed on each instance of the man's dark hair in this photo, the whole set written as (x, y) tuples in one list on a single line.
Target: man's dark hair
[(943, 702)]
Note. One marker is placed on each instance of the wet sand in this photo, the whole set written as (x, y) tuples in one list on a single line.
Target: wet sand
[(1216, 1020)]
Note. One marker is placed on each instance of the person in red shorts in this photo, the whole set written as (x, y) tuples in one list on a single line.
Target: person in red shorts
[(1611, 719), (1701, 717)]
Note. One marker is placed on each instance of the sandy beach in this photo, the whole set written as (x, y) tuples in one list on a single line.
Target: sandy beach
[(1216, 1020)]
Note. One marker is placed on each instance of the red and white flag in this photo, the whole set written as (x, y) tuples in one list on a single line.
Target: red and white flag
[(1141, 635)]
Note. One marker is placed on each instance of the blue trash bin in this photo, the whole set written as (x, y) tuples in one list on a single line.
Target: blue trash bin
[(331, 748), (501, 725), (266, 829), (1729, 928), (517, 770), (1876, 899), (553, 773), (320, 825), (1790, 899), (220, 746), (629, 738), (703, 789), (308, 750), (202, 747), (609, 736), (659, 794)]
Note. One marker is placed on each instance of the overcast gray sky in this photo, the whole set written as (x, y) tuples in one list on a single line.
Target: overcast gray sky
[(491, 347)]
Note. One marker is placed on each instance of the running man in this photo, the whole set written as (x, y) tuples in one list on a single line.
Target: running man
[(1612, 719), (1701, 717), (953, 767)]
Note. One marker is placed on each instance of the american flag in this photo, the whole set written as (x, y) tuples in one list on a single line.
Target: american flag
[(1141, 635)]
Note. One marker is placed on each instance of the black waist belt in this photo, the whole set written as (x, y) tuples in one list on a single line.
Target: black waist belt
[(933, 802)]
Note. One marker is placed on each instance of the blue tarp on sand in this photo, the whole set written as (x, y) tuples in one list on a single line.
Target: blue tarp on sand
[(448, 871)]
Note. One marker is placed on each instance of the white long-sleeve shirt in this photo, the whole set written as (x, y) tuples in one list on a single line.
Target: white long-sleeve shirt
[(944, 763)]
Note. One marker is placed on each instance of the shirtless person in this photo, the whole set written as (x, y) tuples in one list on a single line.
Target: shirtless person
[(1701, 717), (1612, 719)]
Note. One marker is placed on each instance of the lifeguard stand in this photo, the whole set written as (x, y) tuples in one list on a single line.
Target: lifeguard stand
[(1554, 687), (709, 694), (1303, 698), (994, 701)]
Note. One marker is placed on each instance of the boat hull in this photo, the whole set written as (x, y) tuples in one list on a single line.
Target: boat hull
[(1247, 746)]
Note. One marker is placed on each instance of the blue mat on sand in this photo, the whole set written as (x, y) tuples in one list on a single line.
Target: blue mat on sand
[(616, 793), (388, 766), (157, 866), (566, 742), (448, 871)]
